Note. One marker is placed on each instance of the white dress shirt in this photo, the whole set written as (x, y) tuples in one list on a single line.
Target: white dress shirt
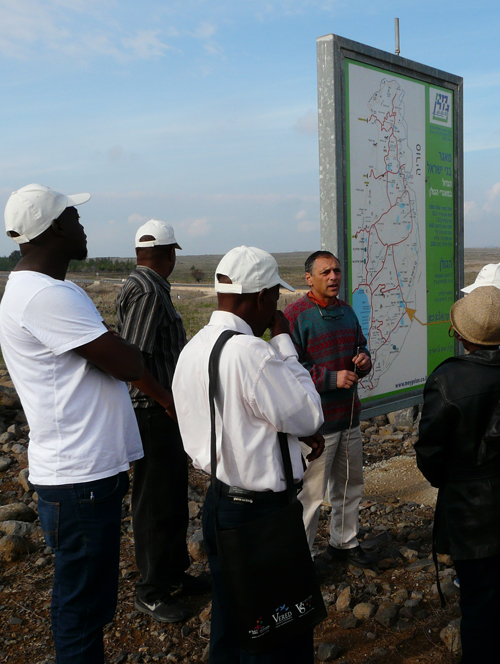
[(263, 389)]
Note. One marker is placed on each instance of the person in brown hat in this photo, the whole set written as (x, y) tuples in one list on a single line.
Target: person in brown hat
[(458, 451)]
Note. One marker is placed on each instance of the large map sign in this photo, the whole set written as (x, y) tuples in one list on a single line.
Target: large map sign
[(390, 156)]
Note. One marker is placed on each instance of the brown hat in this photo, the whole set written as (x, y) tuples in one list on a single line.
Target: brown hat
[(476, 317)]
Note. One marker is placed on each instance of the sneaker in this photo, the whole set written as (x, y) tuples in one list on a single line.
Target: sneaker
[(355, 556), (191, 585), (162, 610)]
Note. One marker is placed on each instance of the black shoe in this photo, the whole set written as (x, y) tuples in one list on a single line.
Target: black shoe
[(355, 556), (191, 585), (162, 610)]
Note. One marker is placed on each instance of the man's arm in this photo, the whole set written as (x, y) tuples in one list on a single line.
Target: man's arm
[(152, 388), (114, 356)]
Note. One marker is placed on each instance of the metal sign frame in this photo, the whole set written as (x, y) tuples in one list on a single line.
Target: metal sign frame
[(332, 52)]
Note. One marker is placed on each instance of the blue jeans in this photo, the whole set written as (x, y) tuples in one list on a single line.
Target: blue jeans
[(224, 646), (81, 522)]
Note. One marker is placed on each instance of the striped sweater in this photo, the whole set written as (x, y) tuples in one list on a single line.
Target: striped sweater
[(327, 338)]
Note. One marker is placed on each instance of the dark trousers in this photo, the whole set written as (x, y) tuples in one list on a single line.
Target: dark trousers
[(159, 504), (224, 647), (81, 522), (480, 606)]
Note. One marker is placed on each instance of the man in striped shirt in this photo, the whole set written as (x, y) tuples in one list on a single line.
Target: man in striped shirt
[(147, 318)]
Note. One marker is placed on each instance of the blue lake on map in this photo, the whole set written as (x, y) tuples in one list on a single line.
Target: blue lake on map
[(361, 306)]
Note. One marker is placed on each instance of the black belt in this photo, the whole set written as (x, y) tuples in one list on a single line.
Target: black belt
[(245, 496)]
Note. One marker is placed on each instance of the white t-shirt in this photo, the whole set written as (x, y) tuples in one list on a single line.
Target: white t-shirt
[(82, 425), (263, 389)]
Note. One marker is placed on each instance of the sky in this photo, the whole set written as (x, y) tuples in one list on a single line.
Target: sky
[(203, 113)]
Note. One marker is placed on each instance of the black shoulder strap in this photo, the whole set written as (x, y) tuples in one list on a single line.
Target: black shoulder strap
[(213, 379)]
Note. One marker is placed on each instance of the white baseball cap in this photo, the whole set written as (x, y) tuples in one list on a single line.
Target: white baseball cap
[(162, 233), (488, 276), (250, 270), (31, 209)]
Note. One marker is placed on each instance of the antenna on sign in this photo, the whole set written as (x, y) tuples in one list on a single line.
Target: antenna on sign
[(396, 28)]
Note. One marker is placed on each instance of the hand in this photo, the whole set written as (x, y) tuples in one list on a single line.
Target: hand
[(168, 404), (362, 361), (346, 379), (279, 324), (317, 443)]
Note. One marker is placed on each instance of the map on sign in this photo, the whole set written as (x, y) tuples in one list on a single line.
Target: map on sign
[(386, 180)]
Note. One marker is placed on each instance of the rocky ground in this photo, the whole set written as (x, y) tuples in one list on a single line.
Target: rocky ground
[(388, 614)]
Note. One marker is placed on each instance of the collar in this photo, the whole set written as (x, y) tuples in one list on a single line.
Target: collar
[(320, 303), (231, 322), (154, 276)]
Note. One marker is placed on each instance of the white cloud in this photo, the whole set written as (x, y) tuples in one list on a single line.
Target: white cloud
[(146, 44), (136, 218), (198, 227), (307, 124), (307, 226)]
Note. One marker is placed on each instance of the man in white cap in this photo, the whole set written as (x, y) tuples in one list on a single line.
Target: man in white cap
[(489, 275), (146, 317), (266, 390), (458, 451), (68, 370)]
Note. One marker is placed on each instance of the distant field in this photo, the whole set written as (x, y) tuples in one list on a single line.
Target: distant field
[(196, 305)]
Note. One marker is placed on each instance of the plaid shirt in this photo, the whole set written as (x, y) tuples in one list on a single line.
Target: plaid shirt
[(146, 317)]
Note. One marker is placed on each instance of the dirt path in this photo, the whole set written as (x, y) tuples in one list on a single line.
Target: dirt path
[(399, 477)]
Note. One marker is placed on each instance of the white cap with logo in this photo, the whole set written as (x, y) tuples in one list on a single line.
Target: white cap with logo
[(250, 270), (31, 209), (488, 276), (162, 233)]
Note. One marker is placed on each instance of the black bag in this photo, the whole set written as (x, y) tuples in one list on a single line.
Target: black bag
[(266, 562)]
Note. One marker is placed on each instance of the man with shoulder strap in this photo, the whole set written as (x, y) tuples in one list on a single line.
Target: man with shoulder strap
[(68, 369), (263, 390)]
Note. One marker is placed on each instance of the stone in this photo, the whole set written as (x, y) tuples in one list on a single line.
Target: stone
[(444, 559), (327, 652), (5, 462), (425, 565), (19, 528), (194, 509), (206, 613), (404, 417), (8, 395), (450, 636), (24, 480), (206, 652), (387, 614), (380, 420), (349, 622), (17, 512), (448, 588), (6, 438), (18, 449), (12, 547), (196, 546), (400, 596), (205, 629), (343, 602), (364, 611), (410, 554), (15, 430), (402, 625)]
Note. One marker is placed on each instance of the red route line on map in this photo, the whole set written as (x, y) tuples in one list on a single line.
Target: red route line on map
[(391, 135)]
